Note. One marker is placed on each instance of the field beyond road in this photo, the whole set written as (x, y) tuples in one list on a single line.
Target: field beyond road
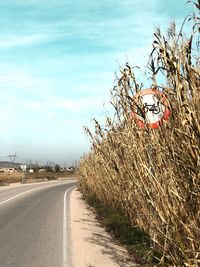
[(17, 177)]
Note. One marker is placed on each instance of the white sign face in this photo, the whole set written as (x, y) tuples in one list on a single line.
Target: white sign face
[(23, 167), (153, 109)]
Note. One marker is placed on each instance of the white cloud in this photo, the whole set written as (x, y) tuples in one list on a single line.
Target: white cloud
[(49, 107), (14, 41), (77, 105), (21, 81)]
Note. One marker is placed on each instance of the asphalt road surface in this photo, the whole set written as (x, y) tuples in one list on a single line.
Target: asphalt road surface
[(34, 229)]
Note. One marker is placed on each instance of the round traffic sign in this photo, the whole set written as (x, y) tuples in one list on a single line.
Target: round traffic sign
[(150, 108)]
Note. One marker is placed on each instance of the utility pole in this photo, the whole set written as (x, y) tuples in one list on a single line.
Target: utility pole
[(12, 158), (23, 173)]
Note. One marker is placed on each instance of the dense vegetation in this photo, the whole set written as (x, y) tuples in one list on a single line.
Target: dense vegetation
[(152, 175)]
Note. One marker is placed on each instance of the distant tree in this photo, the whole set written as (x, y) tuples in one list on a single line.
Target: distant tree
[(57, 168), (35, 168), (48, 168)]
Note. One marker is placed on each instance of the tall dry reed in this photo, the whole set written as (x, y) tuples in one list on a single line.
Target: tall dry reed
[(153, 176)]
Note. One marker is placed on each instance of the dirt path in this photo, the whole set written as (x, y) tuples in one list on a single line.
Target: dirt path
[(91, 245)]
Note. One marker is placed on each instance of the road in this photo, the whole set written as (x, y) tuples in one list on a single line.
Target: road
[(34, 225)]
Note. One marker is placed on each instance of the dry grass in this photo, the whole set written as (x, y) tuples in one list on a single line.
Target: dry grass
[(11, 177), (153, 176), (17, 177)]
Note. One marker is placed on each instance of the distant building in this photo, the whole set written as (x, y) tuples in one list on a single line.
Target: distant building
[(70, 169), (10, 167)]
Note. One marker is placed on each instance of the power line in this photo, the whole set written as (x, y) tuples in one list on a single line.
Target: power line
[(12, 157)]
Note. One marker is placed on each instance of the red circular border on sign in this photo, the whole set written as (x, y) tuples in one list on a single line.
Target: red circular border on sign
[(163, 101)]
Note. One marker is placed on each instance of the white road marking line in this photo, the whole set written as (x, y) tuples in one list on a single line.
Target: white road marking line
[(11, 198), (18, 195), (65, 243)]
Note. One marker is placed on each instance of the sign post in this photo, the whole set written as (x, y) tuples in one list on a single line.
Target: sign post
[(23, 168)]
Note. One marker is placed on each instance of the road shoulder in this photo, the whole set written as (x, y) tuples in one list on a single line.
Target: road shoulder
[(91, 245)]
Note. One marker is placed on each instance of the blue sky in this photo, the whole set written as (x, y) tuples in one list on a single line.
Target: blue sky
[(57, 65)]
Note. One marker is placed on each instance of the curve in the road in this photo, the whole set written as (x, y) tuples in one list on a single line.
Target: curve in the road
[(33, 226)]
